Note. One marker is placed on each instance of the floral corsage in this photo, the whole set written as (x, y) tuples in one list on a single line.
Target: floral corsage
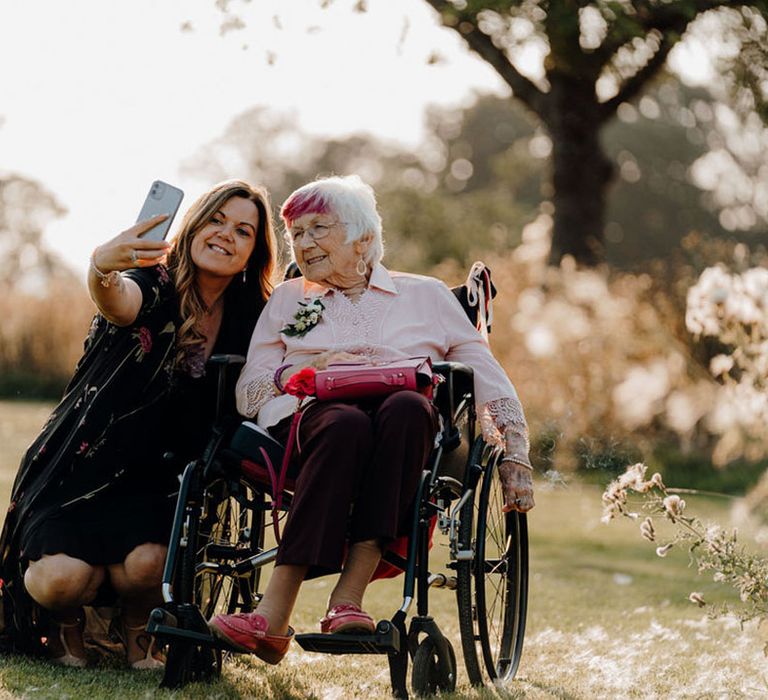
[(306, 318)]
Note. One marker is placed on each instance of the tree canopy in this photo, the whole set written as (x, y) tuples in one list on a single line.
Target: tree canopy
[(597, 55)]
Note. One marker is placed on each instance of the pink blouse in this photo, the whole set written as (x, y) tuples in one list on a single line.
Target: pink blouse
[(398, 316)]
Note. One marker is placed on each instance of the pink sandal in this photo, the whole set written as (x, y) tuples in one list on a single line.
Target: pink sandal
[(347, 618)]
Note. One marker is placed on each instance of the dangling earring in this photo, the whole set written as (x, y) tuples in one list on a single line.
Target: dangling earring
[(244, 275), (361, 271)]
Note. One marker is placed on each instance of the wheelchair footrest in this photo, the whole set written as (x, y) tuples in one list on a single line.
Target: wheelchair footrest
[(385, 640), (184, 624)]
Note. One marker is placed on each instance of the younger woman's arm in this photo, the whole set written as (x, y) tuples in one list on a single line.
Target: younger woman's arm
[(119, 299)]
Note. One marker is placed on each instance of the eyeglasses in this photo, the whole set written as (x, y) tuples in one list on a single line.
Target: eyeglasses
[(315, 232)]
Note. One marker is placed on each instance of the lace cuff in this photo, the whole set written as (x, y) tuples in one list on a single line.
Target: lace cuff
[(257, 392), (505, 417)]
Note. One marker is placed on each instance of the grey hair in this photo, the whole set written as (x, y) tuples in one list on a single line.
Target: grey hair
[(347, 197)]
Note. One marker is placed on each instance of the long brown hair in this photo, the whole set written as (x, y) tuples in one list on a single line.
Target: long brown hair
[(244, 298)]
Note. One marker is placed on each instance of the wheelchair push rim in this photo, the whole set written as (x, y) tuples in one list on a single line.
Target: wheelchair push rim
[(493, 587)]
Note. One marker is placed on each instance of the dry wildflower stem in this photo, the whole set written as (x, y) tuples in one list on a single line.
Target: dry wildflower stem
[(712, 548)]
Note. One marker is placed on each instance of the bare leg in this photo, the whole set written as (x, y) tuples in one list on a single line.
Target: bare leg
[(362, 560), (63, 584), (137, 582), (280, 597)]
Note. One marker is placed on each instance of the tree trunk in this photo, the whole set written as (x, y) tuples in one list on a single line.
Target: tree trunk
[(580, 172)]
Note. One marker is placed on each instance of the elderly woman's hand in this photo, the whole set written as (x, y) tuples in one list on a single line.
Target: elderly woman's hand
[(515, 471), (517, 483), (319, 362), (331, 357)]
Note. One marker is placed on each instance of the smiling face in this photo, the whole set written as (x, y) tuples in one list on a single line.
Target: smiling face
[(328, 260), (223, 246)]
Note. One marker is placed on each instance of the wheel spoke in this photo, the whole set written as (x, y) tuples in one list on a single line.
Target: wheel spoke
[(495, 566), (225, 538)]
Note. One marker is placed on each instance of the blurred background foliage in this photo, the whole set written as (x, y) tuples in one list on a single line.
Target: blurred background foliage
[(44, 305), (600, 355)]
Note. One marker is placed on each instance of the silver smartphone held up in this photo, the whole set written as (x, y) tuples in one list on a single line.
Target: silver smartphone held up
[(162, 199)]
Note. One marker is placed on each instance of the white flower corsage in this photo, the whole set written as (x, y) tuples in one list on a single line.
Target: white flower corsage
[(306, 318)]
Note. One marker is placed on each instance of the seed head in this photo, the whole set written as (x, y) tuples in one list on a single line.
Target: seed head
[(674, 505), (647, 530)]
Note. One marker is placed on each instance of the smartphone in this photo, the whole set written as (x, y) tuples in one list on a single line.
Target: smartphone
[(161, 199)]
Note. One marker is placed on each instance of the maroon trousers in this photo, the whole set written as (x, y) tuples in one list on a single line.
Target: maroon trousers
[(359, 469)]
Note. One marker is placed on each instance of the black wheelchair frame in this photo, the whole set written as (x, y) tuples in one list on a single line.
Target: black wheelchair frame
[(216, 553)]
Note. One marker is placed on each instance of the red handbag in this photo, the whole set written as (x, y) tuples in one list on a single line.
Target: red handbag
[(351, 381)]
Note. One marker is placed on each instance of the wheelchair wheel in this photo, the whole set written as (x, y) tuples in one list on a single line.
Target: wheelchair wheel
[(433, 672), (226, 528), (492, 590)]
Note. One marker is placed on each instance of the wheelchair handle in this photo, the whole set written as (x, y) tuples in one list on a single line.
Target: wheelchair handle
[(222, 363), (226, 359)]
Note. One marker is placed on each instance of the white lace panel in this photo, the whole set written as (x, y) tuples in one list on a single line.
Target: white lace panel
[(258, 391), (505, 417), (356, 323)]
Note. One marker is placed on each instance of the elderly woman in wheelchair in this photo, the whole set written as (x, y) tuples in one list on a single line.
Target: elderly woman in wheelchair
[(358, 463)]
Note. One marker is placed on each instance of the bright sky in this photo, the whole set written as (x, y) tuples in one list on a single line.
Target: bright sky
[(97, 99)]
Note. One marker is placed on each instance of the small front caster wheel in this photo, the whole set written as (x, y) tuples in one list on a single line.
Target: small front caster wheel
[(433, 671)]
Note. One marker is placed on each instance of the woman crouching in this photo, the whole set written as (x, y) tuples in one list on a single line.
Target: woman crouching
[(93, 501)]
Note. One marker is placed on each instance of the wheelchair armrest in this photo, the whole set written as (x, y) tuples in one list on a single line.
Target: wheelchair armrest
[(249, 438), (459, 383), (449, 368), (226, 360)]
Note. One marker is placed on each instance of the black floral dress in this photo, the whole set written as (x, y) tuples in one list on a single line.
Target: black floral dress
[(95, 483)]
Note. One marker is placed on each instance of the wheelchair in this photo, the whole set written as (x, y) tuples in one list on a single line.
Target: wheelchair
[(217, 551)]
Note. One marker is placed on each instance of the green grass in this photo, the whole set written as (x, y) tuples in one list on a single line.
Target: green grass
[(20, 422), (607, 619)]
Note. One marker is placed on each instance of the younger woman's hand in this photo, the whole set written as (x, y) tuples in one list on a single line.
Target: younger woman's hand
[(517, 483), (128, 250)]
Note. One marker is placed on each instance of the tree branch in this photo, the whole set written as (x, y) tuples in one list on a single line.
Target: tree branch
[(671, 23), (634, 85), (483, 46), (668, 20)]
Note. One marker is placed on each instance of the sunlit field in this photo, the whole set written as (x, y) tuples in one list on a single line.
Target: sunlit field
[(607, 619)]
